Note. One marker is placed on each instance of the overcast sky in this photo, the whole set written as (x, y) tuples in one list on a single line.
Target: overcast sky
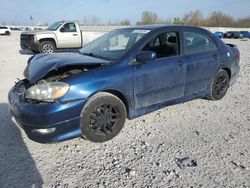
[(19, 11)]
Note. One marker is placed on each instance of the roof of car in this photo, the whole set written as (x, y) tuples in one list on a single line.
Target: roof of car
[(154, 27)]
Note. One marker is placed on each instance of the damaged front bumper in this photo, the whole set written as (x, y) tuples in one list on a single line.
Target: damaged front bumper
[(46, 122)]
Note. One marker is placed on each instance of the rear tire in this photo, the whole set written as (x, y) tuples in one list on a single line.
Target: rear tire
[(219, 85), (102, 117), (7, 33), (47, 47)]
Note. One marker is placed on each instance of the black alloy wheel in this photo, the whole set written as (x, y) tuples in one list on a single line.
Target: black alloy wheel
[(219, 85), (102, 117)]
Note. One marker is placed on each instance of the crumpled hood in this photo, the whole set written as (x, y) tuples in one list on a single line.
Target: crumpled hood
[(41, 64)]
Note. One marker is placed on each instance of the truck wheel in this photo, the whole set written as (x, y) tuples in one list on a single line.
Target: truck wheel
[(102, 117), (47, 47), (219, 85)]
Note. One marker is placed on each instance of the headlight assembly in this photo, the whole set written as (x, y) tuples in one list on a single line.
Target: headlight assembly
[(47, 92)]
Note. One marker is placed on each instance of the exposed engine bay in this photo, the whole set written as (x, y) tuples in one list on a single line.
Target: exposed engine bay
[(55, 75), (64, 72)]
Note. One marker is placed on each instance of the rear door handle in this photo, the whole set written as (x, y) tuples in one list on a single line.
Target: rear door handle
[(74, 34)]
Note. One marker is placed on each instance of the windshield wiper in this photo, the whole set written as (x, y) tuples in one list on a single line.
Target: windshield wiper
[(90, 54), (96, 56)]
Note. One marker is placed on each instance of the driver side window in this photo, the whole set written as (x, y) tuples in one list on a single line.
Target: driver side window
[(68, 27), (164, 45)]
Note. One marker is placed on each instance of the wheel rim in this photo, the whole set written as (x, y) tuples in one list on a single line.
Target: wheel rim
[(221, 85), (104, 119), (47, 48)]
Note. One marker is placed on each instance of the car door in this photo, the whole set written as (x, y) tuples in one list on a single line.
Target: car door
[(164, 78), (202, 57), (68, 36)]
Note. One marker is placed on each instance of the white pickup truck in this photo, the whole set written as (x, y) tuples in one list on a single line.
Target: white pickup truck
[(63, 34)]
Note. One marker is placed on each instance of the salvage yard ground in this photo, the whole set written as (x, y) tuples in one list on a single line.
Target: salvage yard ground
[(200, 143)]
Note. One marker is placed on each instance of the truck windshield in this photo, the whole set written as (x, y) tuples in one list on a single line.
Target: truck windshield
[(54, 26), (115, 44)]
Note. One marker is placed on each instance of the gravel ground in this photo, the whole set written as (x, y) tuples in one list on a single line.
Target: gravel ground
[(200, 143)]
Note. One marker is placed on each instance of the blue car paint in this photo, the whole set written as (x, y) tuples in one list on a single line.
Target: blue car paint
[(246, 35), (219, 34), (142, 87)]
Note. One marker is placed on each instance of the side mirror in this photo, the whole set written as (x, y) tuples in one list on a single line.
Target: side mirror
[(144, 56), (62, 29)]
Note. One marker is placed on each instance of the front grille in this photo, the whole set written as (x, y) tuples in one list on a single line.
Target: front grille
[(27, 37), (25, 41)]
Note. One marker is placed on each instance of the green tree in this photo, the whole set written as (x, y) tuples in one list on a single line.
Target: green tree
[(177, 20)]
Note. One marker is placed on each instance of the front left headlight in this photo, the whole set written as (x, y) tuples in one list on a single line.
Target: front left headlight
[(47, 92)]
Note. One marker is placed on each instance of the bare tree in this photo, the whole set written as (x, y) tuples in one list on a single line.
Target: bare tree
[(244, 22), (125, 22), (194, 18), (148, 18), (219, 19), (177, 20)]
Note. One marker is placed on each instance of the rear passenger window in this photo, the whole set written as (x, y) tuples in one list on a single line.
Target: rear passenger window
[(164, 45), (195, 42)]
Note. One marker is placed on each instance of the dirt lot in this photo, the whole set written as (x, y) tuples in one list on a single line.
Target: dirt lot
[(200, 143)]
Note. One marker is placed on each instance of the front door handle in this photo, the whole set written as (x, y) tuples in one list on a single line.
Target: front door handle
[(215, 56), (74, 34), (180, 63)]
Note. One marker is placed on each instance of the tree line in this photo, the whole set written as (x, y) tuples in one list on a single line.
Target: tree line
[(192, 18)]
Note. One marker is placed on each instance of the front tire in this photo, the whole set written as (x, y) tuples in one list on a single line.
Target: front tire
[(102, 117), (219, 85), (47, 47)]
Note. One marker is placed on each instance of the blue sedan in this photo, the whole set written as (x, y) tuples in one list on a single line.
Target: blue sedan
[(219, 34), (123, 74)]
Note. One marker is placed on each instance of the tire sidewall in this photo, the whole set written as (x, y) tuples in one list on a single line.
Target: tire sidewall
[(95, 102), (213, 94)]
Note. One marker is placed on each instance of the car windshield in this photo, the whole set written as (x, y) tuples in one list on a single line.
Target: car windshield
[(113, 45), (54, 26)]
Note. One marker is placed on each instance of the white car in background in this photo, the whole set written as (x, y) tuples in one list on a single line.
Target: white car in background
[(5, 30)]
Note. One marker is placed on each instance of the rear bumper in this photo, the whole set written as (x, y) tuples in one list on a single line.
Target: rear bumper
[(64, 118), (234, 76)]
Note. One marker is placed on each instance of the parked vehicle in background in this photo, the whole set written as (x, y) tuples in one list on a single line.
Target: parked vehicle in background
[(5, 30), (233, 35), (219, 34), (14, 28), (63, 34), (123, 74), (245, 34), (37, 29)]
